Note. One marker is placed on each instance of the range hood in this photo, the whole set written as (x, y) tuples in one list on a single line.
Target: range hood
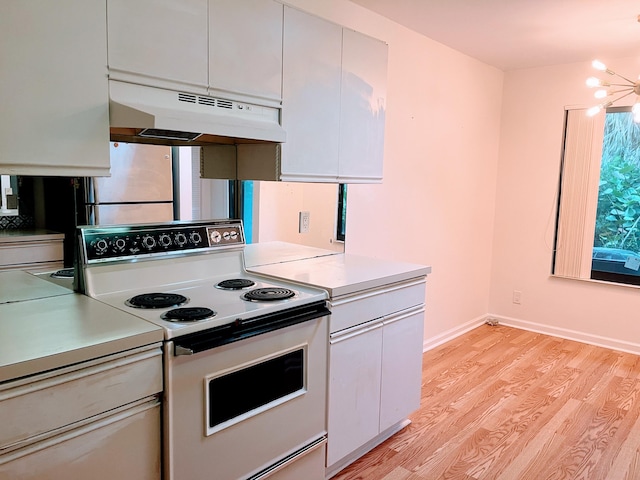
[(142, 114)]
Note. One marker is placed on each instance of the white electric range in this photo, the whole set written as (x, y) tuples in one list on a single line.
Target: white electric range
[(245, 356)]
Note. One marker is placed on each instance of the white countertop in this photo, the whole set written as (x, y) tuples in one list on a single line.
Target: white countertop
[(340, 274), (48, 333), (44, 326), (18, 286)]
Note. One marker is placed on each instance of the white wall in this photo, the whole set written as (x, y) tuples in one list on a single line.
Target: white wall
[(436, 205), (530, 150), (470, 183)]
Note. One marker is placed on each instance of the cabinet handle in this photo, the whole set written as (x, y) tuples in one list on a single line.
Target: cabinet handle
[(378, 291), (355, 331), (396, 317)]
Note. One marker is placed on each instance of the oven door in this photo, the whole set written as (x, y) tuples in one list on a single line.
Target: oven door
[(238, 409)]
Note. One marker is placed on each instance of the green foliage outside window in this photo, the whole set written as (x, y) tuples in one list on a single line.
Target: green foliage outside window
[(618, 213)]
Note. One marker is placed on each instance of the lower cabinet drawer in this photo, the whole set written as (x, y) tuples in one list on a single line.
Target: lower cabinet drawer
[(30, 254), (308, 467), (362, 307), (33, 406), (125, 445)]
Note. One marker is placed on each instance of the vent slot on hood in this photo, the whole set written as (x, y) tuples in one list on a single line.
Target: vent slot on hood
[(187, 97)]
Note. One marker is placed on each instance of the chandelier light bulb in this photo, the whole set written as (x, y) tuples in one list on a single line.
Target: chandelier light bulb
[(593, 82), (598, 65), (600, 94)]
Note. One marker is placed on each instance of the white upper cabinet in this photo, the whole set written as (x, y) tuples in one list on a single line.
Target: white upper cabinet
[(311, 97), (159, 43), (330, 80), (333, 107), (245, 48), (221, 47), (55, 115), (362, 108)]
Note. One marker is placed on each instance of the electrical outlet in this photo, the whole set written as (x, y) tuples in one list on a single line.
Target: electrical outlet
[(517, 296), (304, 220)]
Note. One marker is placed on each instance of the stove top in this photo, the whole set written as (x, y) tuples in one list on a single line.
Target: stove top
[(207, 306), (180, 288)]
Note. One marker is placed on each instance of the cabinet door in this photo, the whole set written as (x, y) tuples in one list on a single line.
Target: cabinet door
[(354, 389), (159, 43), (55, 112), (245, 48), (401, 367), (310, 97), (362, 112)]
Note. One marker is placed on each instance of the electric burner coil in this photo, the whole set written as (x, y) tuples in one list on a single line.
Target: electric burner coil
[(188, 314), (157, 300), (63, 273), (268, 294), (235, 284)]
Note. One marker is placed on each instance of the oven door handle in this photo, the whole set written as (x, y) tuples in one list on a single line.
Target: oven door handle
[(241, 329), (180, 350)]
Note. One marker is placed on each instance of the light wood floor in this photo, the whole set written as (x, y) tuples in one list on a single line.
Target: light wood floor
[(507, 404)]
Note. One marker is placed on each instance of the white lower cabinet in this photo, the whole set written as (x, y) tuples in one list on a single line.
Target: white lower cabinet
[(99, 420), (401, 367), (122, 446), (375, 369), (355, 370), (31, 250)]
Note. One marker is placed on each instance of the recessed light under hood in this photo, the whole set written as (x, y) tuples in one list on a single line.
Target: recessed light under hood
[(158, 114)]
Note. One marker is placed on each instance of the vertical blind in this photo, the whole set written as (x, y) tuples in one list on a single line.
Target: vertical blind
[(578, 194)]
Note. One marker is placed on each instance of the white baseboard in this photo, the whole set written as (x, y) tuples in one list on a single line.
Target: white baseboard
[(599, 341), (444, 337)]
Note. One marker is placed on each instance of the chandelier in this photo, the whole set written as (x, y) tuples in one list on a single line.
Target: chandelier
[(608, 89)]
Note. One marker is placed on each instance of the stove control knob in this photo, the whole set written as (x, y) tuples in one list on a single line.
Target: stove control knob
[(215, 236), (233, 234), (119, 244), (195, 238), (101, 246), (148, 242), (226, 236), (180, 239), (165, 240)]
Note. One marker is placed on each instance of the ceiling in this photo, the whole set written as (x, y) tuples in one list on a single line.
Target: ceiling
[(513, 34)]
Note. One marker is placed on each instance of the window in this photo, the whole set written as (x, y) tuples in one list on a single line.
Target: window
[(341, 228), (598, 224), (617, 231)]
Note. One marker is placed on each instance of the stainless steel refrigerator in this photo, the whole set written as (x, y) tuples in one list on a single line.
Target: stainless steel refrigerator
[(139, 190)]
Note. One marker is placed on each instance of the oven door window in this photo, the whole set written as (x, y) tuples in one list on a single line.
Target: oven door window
[(233, 396)]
